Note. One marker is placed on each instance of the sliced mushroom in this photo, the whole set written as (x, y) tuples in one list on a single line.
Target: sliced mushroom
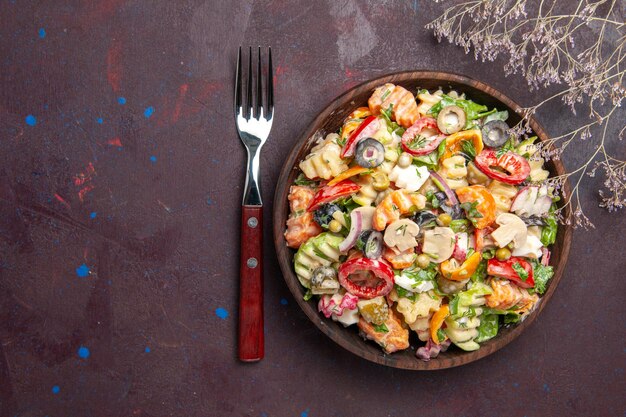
[(439, 243), (512, 229), (401, 234)]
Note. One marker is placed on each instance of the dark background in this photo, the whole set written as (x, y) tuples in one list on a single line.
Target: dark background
[(146, 195)]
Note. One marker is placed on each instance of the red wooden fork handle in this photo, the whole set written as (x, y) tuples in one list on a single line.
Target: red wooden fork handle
[(251, 346)]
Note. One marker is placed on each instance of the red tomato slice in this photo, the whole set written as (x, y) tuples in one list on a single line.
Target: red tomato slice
[(333, 192), (516, 168), (366, 129), (366, 278), (504, 269), (426, 145)]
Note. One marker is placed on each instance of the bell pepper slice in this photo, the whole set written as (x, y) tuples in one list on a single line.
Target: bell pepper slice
[(367, 128), (365, 277), (347, 174), (353, 121), (482, 199), (455, 141), (333, 192), (415, 144), (452, 271), (437, 321), (514, 269), (512, 168)]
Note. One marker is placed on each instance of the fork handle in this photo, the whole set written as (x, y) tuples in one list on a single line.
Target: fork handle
[(251, 346)]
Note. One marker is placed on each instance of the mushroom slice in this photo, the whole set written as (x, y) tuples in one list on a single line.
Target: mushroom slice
[(512, 229), (439, 243), (401, 234)]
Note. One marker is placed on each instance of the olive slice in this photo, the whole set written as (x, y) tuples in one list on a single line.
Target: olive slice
[(495, 133), (371, 243), (425, 218), (451, 119), (369, 153), (324, 215)]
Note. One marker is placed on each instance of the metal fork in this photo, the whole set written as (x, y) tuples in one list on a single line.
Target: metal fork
[(253, 128)]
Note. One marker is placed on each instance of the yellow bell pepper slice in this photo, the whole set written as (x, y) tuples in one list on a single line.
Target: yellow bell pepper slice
[(351, 124), (347, 174), (451, 271), (437, 321), (454, 142)]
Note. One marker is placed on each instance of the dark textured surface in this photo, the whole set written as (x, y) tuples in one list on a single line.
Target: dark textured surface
[(156, 312)]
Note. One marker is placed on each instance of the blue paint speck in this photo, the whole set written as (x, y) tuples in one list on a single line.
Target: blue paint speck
[(93, 215), (153, 159), (42, 33), (546, 388), (82, 271), (56, 389), (100, 120), (31, 120), (83, 352), (209, 201), (147, 349), (121, 100), (221, 313), (305, 413), (515, 384), (148, 112), (284, 301)]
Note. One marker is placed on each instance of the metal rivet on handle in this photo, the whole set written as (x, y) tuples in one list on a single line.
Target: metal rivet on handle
[(252, 262), (253, 222)]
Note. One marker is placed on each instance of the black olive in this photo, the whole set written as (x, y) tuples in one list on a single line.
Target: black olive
[(444, 204), (425, 218), (534, 221), (369, 153), (371, 243), (451, 119), (495, 133), (324, 215)]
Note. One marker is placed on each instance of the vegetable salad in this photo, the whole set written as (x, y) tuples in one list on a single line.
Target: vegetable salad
[(423, 215)]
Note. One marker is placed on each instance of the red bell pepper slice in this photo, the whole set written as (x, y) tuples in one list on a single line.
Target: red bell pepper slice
[(516, 168), (333, 192), (422, 146), (505, 269), (366, 278), (367, 128)]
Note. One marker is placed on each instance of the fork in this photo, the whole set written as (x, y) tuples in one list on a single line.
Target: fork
[(253, 128)]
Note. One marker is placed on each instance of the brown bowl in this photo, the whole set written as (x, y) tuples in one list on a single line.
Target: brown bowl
[(329, 120)]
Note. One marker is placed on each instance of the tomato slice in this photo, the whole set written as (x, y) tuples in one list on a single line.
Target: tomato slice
[(333, 192), (366, 278), (513, 168), (416, 144), (506, 269), (367, 128), (485, 204)]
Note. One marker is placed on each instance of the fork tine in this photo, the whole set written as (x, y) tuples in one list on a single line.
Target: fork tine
[(270, 86), (259, 89), (238, 84), (249, 102)]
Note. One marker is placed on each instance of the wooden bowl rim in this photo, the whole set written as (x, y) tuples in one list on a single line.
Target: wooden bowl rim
[(281, 213)]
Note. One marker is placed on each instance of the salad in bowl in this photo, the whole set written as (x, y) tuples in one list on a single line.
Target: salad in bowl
[(423, 218)]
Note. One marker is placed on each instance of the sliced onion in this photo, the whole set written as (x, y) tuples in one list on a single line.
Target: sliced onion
[(446, 188), (356, 226)]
